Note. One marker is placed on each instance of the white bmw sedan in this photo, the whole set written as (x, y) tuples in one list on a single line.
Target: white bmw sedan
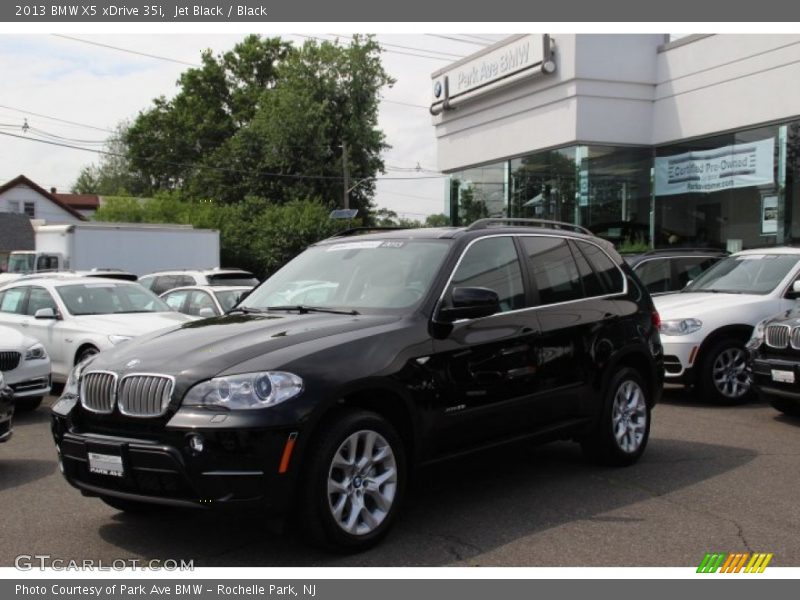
[(26, 367), (77, 317)]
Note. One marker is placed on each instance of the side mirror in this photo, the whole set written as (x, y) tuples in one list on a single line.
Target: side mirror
[(471, 303), (45, 313), (207, 312), (794, 293)]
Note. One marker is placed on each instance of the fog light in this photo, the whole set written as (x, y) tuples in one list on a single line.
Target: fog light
[(196, 442)]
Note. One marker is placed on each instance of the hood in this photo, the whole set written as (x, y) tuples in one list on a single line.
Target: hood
[(202, 349), (12, 340), (133, 324), (698, 304)]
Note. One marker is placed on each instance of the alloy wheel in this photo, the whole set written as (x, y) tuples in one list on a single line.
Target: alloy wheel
[(729, 374), (362, 482), (629, 416)]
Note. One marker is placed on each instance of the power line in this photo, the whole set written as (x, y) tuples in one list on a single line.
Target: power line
[(411, 104), (212, 168), (455, 39), (388, 45), (76, 123), (311, 37), (478, 37), (128, 50)]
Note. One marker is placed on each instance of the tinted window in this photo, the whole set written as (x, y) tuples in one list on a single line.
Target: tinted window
[(592, 285), (47, 262), (241, 278), (40, 298), (164, 283), (655, 275), (13, 300), (609, 273), (183, 281), (493, 263), (553, 269), (689, 268)]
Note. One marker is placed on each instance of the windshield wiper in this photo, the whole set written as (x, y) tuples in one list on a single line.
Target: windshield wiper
[(246, 310), (305, 309)]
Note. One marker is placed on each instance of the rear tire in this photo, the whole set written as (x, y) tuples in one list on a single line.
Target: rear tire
[(787, 407), (27, 404), (723, 377), (620, 436), (354, 483)]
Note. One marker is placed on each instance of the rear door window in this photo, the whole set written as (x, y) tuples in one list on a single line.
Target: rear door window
[(40, 298), (553, 269), (13, 300), (175, 300), (163, 283), (609, 273), (655, 275)]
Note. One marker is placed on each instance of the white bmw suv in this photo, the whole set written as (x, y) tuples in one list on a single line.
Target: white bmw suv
[(705, 326)]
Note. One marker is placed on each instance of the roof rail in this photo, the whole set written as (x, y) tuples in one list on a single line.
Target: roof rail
[(357, 230), (486, 223), (678, 249)]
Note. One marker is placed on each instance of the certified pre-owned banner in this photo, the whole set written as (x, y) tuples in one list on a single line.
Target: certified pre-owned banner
[(705, 171)]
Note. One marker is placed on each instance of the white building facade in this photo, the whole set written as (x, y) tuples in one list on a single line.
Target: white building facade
[(645, 141)]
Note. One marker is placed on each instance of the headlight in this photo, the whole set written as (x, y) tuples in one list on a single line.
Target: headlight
[(680, 326), (249, 390), (758, 334), (118, 339), (71, 387), (35, 352)]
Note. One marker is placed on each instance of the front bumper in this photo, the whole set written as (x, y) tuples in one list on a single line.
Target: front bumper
[(235, 466), (765, 371), (679, 359), (30, 379)]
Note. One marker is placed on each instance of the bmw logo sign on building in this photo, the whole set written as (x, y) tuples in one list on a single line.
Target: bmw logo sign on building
[(437, 89)]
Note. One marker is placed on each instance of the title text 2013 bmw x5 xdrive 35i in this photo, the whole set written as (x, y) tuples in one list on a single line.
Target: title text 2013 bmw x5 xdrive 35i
[(361, 358)]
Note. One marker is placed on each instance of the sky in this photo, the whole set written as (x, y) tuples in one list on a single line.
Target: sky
[(74, 92)]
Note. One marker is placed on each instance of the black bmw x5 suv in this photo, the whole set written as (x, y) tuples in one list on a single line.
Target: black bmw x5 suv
[(364, 357)]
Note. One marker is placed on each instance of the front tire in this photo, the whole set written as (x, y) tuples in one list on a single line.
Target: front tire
[(723, 377), (620, 436), (354, 482)]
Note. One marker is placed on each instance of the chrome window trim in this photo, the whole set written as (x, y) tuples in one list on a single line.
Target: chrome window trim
[(114, 390), (163, 411), (527, 308)]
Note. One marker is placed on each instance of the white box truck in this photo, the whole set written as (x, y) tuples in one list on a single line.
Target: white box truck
[(136, 247)]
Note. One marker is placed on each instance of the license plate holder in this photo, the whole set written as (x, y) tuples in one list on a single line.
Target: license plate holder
[(782, 376), (106, 464)]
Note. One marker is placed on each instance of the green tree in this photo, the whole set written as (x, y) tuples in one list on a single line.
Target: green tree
[(167, 142), (440, 220), (325, 103), (113, 174)]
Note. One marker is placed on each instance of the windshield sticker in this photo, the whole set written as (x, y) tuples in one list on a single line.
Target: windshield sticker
[(354, 246)]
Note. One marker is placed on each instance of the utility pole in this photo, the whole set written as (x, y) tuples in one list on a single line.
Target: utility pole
[(346, 177)]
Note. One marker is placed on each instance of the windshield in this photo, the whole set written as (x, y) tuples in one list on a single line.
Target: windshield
[(374, 274), (228, 298), (109, 298), (745, 274), (21, 263)]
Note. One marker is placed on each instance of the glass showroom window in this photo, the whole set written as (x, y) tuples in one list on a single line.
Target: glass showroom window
[(543, 185), (721, 191), (478, 193)]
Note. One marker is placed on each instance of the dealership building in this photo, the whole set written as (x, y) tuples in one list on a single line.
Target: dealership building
[(649, 141)]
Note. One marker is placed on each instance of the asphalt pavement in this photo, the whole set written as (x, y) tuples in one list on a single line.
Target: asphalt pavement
[(713, 478)]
